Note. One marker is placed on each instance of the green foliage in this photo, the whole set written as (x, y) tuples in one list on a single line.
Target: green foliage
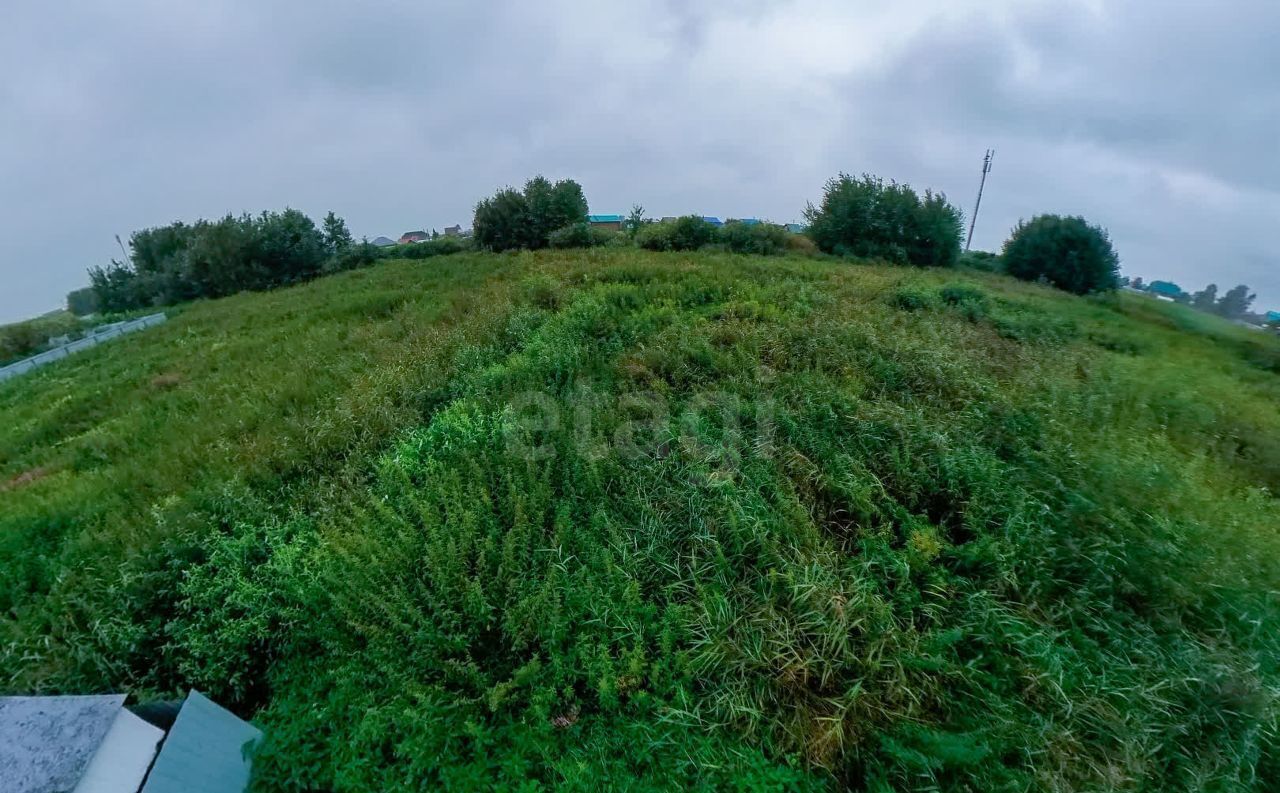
[(984, 261), (617, 520), (765, 239), (24, 339), (83, 302), (871, 218), (1236, 302), (337, 239), (178, 262), (511, 219), (635, 221), (584, 235), (440, 246), (688, 233), (1065, 252)]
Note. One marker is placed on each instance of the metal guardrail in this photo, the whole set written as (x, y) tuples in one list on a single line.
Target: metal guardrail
[(92, 339)]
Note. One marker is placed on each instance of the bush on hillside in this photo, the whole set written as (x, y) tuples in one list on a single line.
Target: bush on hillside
[(83, 302), (513, 219), (765, 239), (985, 261), (871, 218), (1066, 252), (442, 246), (687, 233), (179, 262), (584, 235)]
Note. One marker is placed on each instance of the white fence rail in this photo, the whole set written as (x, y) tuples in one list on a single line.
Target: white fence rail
[(93, 338)]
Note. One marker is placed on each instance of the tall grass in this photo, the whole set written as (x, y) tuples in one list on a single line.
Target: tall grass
[(620, 519)]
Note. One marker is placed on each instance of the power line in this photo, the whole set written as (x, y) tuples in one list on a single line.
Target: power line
[(986, 169)]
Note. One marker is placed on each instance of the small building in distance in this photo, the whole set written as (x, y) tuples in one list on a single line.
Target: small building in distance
[(1273, 316), (713, 221), (414, 236), (453, 231), (1166, 290), (383, 242), (612, 222), (795, 228)]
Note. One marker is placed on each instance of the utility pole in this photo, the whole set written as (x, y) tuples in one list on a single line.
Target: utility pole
[(986, 169)]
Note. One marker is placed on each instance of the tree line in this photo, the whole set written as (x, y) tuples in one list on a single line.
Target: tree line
[(864, 216), (213, 258)]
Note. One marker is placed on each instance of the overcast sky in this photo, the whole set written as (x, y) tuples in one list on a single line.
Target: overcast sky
[(1159, 120)]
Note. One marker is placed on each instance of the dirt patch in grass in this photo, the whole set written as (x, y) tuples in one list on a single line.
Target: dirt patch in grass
[(26, 478)]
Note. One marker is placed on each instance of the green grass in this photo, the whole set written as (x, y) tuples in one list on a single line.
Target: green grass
[(612, 518)]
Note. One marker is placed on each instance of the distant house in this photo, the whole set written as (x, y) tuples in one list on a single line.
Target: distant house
[(414, 236), (1165, 289), (83, 743), (613, 222), (713, 221), (1273, 316), (383, 242), (453, 231), (795, 228)]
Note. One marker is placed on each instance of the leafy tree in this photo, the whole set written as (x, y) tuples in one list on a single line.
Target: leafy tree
[(1137, 283), (83, 302), (181, 262), (634, 221), (766, 239), (1206, 299), (687, 233), (885, 220), (1236, 302), (513, 219), (499, 222), (336, 236), (1066, 252)]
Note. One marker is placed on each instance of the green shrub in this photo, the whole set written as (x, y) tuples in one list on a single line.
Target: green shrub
[(985, 261), (871, 218), (512, 219), (912, 298), (765, 239), (687, 233), (1066, 252), (442, 246), (584, 235), (178, 262)]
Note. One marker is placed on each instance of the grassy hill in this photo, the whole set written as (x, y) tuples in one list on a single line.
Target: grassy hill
[(641, 520)]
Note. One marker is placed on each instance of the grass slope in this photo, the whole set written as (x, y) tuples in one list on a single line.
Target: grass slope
[(646, 520)]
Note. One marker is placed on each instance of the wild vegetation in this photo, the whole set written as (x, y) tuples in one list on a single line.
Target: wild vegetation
[(615, 518), (870, 217), (1066, 252), (180, 262)]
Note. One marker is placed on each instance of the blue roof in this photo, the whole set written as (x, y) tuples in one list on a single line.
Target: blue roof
[(1274, 316), (795, 228), (713, 221), (1165, 288), (605, 218), (749, 221), (206, 751)]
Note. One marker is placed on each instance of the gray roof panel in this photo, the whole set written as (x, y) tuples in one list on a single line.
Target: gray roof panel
[(46, 742)]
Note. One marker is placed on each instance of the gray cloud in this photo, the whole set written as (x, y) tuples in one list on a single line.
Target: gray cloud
[(1158, 120)]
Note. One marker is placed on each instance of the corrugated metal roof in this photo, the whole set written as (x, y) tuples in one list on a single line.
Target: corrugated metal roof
[(207, 751), (713, 221), (605, 218), (47, 742)]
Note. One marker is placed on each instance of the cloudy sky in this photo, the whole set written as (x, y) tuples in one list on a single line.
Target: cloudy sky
[(1159, 120)]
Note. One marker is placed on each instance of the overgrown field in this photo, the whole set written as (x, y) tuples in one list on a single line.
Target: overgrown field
[(611, 518)]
